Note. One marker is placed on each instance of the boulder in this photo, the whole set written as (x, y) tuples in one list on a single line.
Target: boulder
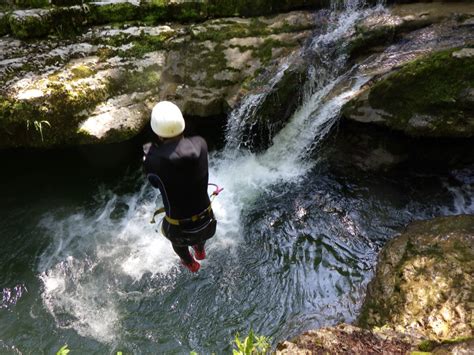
[(423, 283), (431, 97)]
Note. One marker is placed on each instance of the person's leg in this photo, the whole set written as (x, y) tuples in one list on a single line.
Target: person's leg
[(183, 253), (199, 251)]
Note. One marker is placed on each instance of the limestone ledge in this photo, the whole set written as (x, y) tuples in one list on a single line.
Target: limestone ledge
[(99, 87)]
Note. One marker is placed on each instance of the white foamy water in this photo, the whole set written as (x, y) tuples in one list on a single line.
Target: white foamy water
[(97, 254)]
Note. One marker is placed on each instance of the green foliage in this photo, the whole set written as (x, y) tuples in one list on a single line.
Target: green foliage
[(63, 351), (251, 345)]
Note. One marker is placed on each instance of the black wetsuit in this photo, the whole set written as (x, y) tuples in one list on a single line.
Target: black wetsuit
[(179, 168)]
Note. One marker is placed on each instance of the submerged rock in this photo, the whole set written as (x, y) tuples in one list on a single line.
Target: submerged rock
[(423, 283)]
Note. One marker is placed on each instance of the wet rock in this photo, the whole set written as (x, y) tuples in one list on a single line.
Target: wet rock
[(423, 282), (275, 106), (426, 97)]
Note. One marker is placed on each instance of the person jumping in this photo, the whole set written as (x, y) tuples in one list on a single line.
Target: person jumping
[(178, 167)]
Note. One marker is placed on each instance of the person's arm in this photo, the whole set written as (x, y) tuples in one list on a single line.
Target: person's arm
[(147, 168)]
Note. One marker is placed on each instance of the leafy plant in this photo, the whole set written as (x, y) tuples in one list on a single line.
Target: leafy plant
[(251, 345), (63, 351), (39, 128)]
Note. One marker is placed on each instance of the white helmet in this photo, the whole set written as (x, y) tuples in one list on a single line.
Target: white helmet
[(167, 120)]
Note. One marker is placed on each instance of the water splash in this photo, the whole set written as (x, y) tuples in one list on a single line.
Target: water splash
[(10, 296)]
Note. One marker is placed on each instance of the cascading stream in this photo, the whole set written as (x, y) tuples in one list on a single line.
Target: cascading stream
[(294, 249)]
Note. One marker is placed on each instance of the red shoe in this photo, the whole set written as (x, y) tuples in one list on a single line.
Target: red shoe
[(200, 254), (193, 267)]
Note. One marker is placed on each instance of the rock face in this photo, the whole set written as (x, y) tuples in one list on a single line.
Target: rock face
[(423, 283), (101, 86), (422, 84)]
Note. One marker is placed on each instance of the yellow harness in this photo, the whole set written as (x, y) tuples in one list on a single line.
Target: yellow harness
[(195, 218)]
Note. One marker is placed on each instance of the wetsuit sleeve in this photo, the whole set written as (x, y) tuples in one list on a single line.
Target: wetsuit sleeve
[(148, 166)]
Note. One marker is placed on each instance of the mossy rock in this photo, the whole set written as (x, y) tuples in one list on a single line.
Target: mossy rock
[(424, 279), (430, 97), (49, 120), (30, 23)]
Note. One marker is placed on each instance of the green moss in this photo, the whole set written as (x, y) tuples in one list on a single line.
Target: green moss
[(109, 13), (145, 44), (429, 86), (256, 28), (135, 81), (82, 71), (264, 52), (366, 38), (67, 22), (427, 345), (430, 345), (142, 44)]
